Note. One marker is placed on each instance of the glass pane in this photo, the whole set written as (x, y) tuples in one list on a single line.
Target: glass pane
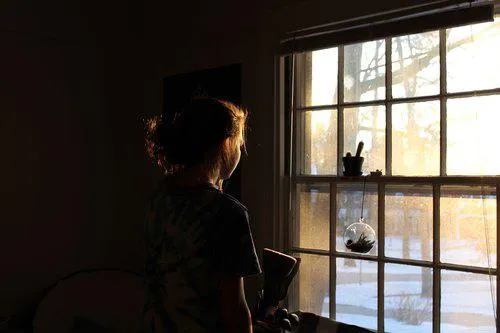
[(468, 225), (317, 74), (309, 291), (366, 124), (364, 71), (473, 136), (472, 54), (319, 142), (311, 228), (349, 197), (415, 139), (408, 298), (415, 65), (408, 222), (356, 296), (466, 302)]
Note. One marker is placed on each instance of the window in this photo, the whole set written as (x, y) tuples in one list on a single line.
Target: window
[(427, 107)]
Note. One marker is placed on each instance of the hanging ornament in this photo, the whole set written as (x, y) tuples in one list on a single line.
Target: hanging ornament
[(360, 237)]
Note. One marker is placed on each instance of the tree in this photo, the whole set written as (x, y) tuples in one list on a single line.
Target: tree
[(415, 54)]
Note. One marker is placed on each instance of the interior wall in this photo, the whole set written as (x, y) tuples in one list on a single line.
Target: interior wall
[(205, 35), (76, 78), (209, 35), (74, 176)]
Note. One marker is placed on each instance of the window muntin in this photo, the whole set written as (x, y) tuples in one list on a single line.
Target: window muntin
[(349, 197), (408, 298), (472, 54), (364, 68), (312, 206), (319, 142), (408, 222), (468, 225), (367, 124), (415, 65), (429, 128), (472, 135)]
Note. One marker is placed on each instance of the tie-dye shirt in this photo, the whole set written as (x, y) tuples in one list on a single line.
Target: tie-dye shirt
[(195, 236)]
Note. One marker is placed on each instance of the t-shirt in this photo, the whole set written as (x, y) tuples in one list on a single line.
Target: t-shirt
[(195, 236)]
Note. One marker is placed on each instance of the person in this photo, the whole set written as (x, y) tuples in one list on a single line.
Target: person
[(199, 244)]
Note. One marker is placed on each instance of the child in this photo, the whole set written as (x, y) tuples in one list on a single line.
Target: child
[(199, 243)]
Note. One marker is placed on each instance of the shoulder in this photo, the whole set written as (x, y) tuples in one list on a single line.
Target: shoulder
[(232, 205)]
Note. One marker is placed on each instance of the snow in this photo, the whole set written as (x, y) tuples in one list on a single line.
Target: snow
[(466, 300)]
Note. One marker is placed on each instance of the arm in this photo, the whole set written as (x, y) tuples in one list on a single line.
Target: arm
[(235, 314)]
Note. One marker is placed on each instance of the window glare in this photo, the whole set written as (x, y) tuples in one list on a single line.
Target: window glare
[(473, 136), (472, 54), (324, 77)]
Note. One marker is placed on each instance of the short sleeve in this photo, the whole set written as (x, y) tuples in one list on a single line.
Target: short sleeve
[(235, 249)]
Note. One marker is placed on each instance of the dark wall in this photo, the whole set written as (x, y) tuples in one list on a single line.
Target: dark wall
[(209, 35), (73, 174), (75, 77), (198, 35)]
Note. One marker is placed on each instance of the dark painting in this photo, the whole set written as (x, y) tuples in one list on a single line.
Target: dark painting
[(221, 82)]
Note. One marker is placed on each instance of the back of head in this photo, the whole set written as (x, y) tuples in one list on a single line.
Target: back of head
[(194, 135)]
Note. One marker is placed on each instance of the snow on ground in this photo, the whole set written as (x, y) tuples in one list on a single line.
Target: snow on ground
[(466, 304)]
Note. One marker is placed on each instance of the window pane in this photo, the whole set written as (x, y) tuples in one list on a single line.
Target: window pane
[(415, 65), (468, 225), (311, 227), (356, 296), (317, 74), (472, 57), (319, 142), (364, 71), (415, 139), (309, 291), (466, 302), (366, 124), (349, 198), (472, 125), (408, 222), (408, 298)]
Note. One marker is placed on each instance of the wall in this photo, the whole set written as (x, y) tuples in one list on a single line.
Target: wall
[(205, 35), (75, 78), (74, 178), (208, 35)]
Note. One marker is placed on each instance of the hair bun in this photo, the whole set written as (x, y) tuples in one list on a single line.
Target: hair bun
[(195, 134)]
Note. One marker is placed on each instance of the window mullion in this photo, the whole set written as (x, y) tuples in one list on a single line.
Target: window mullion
[(388, 106), (340, 109), (381, 251), (333, 259), (290, 141), (299, 67), (442, 99), (498, 257), (436, 272)]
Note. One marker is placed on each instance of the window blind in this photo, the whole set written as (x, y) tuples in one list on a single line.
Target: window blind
[(420, 18)]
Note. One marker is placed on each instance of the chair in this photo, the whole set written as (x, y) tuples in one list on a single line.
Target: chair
[(96, 301)]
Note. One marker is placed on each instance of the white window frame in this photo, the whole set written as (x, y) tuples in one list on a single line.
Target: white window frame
[(294, 178)]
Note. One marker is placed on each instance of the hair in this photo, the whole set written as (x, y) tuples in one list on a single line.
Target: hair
[(195, 135)]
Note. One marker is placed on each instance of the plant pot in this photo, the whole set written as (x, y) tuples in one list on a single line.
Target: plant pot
[(352, 165)]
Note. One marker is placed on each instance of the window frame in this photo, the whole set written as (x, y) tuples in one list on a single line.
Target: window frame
[(293, 178)]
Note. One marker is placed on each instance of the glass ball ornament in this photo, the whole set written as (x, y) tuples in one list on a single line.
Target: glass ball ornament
[(359, 237)]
